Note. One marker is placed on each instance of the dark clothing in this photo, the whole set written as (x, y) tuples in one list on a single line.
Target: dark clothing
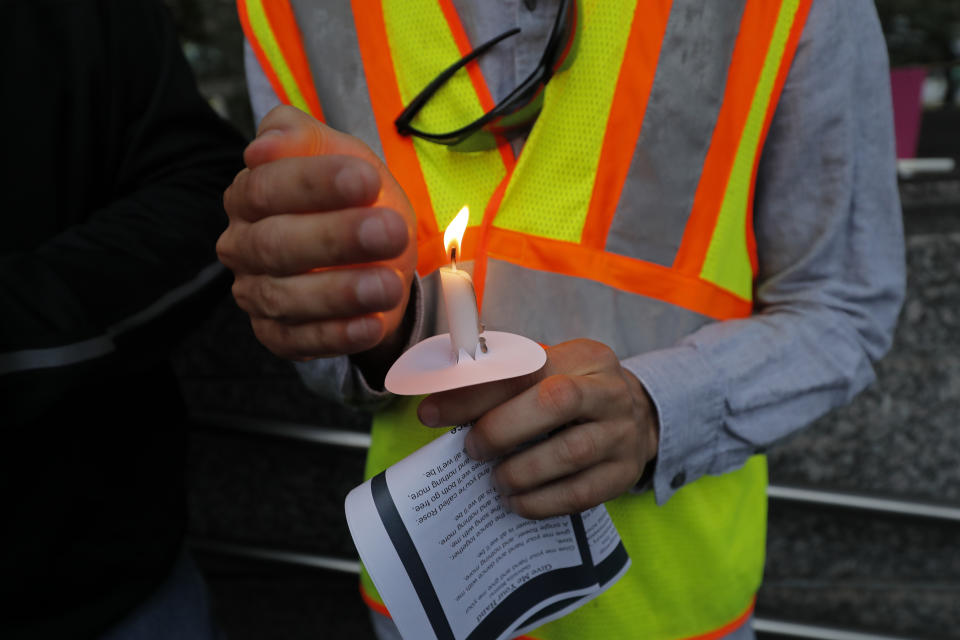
[(112, 207)]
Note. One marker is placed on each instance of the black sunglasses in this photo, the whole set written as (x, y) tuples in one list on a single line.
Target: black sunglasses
[(521, 106)]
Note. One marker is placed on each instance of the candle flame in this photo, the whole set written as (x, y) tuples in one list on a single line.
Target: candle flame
[(453, 235)]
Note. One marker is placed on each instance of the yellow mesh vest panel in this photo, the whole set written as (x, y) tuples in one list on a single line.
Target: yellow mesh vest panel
[(727, 263), (696, 562), (422, 46), (550, 195)]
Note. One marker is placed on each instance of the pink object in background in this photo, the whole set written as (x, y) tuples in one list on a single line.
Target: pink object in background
[(907, 86)]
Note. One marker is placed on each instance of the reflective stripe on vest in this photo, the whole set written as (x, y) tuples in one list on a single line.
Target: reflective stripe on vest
[(711, 270), (271, 29), (587, 237)]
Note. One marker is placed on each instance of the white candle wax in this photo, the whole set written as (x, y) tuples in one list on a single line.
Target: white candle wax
[(463, 317)]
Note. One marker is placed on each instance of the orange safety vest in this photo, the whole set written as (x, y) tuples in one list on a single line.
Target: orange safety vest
[(630, 205)]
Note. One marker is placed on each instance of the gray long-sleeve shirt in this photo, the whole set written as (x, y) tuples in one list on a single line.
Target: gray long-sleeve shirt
[(829, 239)]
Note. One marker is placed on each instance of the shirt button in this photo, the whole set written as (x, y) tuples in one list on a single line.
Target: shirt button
[(678, 480)]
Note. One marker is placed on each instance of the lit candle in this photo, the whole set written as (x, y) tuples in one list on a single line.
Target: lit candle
[(459, 296)]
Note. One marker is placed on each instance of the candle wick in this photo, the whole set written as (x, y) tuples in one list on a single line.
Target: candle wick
[(453, 257)]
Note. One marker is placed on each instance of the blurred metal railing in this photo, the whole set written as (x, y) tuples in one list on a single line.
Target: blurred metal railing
[(354, 439), (285, 430), (768, 626)]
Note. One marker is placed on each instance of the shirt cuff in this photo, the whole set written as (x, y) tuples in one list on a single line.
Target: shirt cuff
[(688, 398)]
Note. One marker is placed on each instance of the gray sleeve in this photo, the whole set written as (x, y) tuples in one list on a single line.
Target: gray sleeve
[(831, 265)]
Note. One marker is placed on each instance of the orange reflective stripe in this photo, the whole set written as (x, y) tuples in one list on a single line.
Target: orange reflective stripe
[(791, 48), (628, 274), (385, 99), (749, 54), (626, 118), (477, 250), (285, 36), (373, 603), (476, 75), (480, 262), (729, 628)]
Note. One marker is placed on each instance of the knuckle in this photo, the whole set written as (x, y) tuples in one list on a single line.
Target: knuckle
[(605, 355), (258, 192), (313, 182), (230, 194), (225, 249), (559, 395), (483, 440), (267, 244), (576, 448), (270, 299), (266, 331), (287, 341), (508, 478), (239, 291), (577, 496), (620, 394), (597, 352)]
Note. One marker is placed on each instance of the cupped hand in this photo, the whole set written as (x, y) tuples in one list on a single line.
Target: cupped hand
[(600, 421), (321, 240)]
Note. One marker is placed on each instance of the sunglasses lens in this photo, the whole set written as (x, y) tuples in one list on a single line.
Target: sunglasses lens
[(479, 140)]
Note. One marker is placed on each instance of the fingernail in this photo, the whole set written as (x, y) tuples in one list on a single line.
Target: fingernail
[(429, 414), (362, 329), (357, 183), (505, 502), (372, 234), (370, 291)]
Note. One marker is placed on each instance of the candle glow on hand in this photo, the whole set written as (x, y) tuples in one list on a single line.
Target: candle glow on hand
[(459, 297)]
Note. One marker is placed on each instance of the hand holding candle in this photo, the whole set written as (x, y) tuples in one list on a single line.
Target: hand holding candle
[(602, 425), (462, 357)]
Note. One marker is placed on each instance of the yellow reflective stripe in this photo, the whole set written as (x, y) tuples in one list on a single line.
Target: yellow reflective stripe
[(268, 43), (551, 196), (727, 261), (422, 46)]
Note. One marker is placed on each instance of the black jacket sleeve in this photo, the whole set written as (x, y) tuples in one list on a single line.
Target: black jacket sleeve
[(114, 199)]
